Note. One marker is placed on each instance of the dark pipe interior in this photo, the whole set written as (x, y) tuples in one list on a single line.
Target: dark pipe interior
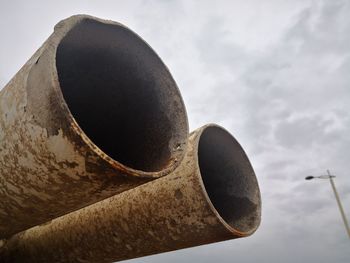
[(121, 94), (229, 179)]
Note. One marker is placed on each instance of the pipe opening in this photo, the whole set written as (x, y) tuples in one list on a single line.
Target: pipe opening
[(121, 95), (229, 179)]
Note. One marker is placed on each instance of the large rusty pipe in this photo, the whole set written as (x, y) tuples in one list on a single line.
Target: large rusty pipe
[(93, 113), (212, 196)]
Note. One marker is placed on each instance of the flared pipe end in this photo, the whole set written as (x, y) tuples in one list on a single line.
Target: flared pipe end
[(121, 96), (229, 181)]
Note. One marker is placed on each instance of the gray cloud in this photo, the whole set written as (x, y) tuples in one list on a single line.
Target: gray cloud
[(2, 82)]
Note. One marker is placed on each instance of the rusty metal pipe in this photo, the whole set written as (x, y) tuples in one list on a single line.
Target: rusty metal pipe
[(93, 113), (212, 196)]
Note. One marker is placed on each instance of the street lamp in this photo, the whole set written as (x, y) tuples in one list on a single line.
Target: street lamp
[(330, 177)]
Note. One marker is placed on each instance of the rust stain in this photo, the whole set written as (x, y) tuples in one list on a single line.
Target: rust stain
[(64, 199), (48, 165), (178, 194), (169, 213)]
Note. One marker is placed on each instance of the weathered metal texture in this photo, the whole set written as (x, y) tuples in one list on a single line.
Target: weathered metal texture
[(212, 196), (93, 113)]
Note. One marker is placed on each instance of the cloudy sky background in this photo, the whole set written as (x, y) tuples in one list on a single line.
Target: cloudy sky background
[(274, 73)]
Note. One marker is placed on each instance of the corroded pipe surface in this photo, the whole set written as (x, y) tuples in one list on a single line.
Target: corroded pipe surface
[(212, 196), (93, 113)]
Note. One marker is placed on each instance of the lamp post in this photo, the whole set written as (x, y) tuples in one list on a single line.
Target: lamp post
[(330, 177)]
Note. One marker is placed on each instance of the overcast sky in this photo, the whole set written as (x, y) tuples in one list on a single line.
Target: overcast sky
[(274, 73)]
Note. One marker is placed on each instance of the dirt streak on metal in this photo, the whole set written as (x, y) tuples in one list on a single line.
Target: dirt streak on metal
[(48, 166), (166, 214)]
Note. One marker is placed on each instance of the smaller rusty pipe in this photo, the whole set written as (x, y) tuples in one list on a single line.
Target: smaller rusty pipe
[(212, 196), (93, 113)]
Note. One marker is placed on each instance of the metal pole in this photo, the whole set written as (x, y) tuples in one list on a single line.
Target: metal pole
[(339, 204)]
